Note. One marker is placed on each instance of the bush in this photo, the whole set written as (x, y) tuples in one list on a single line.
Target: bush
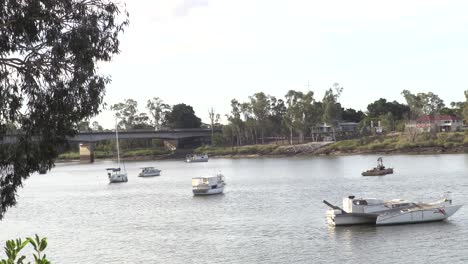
[(13, 248)]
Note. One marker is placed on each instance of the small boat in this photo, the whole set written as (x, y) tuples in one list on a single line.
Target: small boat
[(378, 212), (149, 172), (116, 174), (380, 170), (208, 185), (197, 158)]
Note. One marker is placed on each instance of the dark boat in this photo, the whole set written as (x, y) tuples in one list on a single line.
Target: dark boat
[(380, 170)]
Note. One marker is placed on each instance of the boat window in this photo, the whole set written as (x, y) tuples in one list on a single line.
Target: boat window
[(360, 202)]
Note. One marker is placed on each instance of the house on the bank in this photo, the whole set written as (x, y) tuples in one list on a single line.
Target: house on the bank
[(344, 129), (436, 123), (341, 127)]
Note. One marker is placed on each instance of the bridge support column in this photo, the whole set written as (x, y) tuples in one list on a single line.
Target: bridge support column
[(171, 144), (86, 152)]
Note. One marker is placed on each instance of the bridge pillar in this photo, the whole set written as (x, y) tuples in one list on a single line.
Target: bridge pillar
[(171, 144), (86, 152)]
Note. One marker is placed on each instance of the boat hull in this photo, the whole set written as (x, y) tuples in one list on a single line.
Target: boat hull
[(200, 192), (116, 178), (149, 174), (417, 216), (377, 172), (347, 219), (197, 160), (396, 217)]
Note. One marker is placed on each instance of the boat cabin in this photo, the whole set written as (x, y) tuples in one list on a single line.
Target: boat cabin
[(112, 171), (148, 169), (372, 205), (207, 181)]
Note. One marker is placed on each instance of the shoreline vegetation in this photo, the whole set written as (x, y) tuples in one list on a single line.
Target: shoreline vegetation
[(392, 143)]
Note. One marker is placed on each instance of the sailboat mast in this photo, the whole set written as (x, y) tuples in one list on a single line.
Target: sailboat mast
[(117, 143)]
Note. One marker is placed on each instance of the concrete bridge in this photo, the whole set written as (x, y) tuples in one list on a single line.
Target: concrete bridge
[(172, 138)]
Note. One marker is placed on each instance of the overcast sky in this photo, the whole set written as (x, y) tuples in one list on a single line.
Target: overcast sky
[(206, 52)]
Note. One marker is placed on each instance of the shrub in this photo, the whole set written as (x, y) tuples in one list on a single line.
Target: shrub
[(13, 248)]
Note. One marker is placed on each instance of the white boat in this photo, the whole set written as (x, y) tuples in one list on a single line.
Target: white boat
[(208, 185), (197, 158), (378, 212), (116, 174), (149, 172)]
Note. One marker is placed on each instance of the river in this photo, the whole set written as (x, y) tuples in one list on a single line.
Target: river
[(271, 212)]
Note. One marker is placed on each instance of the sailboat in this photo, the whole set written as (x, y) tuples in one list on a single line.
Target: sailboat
[(116, 174)]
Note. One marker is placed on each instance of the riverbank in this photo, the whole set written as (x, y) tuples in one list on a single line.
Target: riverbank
[(396, 143), (451, 142)]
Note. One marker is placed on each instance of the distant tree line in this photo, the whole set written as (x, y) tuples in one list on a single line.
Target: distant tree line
[(297, 116)]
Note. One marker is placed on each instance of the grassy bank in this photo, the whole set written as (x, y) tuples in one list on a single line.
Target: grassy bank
[(269, 149), (452, 142), (125, 154)]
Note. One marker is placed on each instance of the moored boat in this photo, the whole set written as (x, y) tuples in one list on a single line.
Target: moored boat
[(149, 172), (380, 170), (378, 212), (208, 185), (116, 174), (197, 158)]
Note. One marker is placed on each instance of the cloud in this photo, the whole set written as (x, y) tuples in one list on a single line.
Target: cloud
[(186, 5)]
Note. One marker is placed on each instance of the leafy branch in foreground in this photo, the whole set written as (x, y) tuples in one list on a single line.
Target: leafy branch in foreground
[(13, 248)]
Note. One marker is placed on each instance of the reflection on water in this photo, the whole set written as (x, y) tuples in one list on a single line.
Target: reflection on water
[(271, 212)]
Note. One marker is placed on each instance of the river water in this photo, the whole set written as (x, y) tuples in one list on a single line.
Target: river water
[(271, 212)]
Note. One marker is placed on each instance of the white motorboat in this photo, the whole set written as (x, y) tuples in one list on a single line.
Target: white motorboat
[(208, 185), (197, 158), (378, 212), (149, 172), (116, 174)]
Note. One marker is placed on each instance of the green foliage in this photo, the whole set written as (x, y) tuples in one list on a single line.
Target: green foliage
[(128, 116), (158, 110), (182, 116), (423, 103), (218, 140), (352, 115), (382, 107), (398, 142), (243, 150), (49, 79), (14, 247)]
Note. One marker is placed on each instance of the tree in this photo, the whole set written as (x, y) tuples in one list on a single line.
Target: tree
[(382, 107), (261, 109), (214, 119), (293, 113), (352, 115), (141, 121), (158, 109), (388, 121), (182, 116), (465, 109), (126, 113), (96, 126), (331, 107), (236, 121), (277, 117), (423, 103), (84, 125), (49, 80)]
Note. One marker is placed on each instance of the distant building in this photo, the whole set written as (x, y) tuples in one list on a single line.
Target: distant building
[(436, 123), (341, 127)]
